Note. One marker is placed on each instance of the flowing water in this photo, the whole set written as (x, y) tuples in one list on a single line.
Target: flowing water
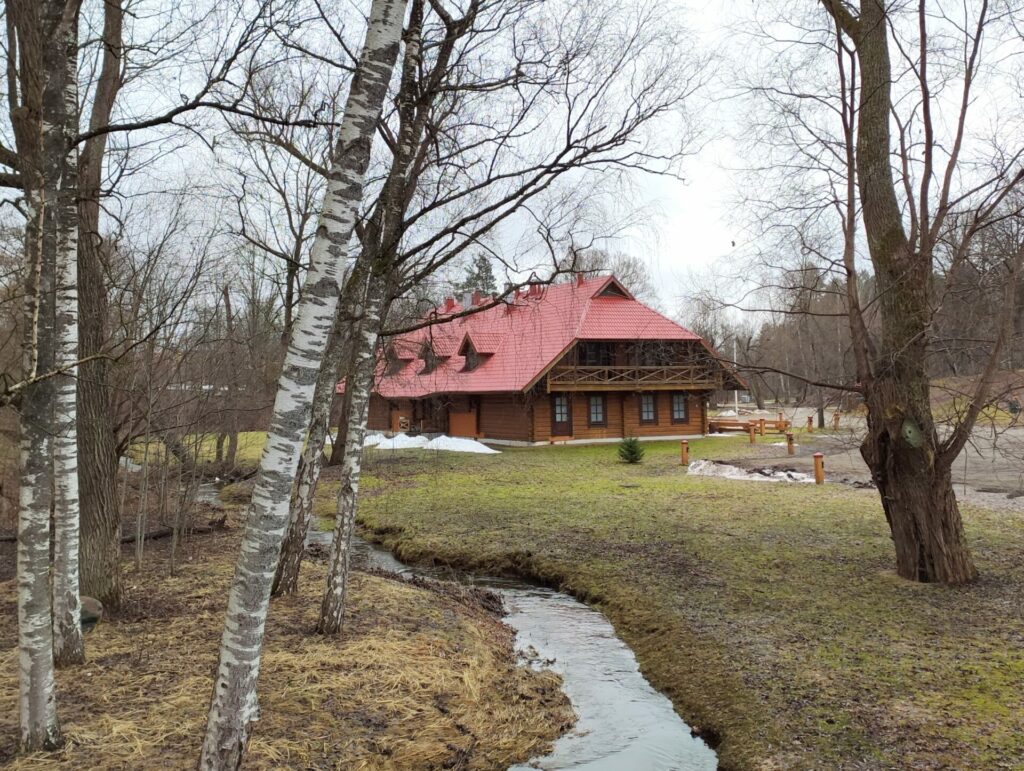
[(623, 723)]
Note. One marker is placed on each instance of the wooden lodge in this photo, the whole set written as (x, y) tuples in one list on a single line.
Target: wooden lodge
[(577, 362)]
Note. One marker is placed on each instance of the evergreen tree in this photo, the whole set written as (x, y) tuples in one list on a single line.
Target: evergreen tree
[(630, 450), (479, 277)]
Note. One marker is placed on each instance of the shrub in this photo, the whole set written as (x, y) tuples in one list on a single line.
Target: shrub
[(630, 450)]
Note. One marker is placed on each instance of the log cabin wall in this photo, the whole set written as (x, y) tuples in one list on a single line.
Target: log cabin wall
[(504, 416), (622, 417)]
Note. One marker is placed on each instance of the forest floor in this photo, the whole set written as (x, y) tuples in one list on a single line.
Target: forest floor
[(768, 612), (423, 677)]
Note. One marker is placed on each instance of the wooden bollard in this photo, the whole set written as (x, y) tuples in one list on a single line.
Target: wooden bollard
[(790, 447), (835, 420), (684, 453), (810, 424), (751, 429), (760, 427), (819, 468)]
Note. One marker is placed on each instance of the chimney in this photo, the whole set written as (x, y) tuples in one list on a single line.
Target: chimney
[(477, 298), (449, 304), (579, 278), (466, 300)]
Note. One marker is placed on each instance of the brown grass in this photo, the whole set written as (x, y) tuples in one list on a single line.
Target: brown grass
[(421, 678)]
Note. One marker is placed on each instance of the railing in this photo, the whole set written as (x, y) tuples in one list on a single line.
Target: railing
[(681, 377)]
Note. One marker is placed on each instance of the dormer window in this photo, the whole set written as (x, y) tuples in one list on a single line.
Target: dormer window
[(472, 360)]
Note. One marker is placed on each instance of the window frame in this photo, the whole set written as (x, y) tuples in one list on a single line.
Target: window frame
[(653, 420), (686, 407), (603, 422)]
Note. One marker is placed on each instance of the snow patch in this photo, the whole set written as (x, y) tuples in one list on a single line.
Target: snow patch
[(708, 468), (727, 414), (403, 442), (459, 444), (373, 440)]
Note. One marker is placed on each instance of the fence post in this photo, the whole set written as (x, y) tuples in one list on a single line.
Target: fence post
[(810, 424), (835, 420), (819, 468), (790, 447), (684, 453), (782, 416), (751, 429), (760, 427)]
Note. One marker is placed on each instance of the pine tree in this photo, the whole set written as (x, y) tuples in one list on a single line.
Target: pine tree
[(479, 277), (630, 450)]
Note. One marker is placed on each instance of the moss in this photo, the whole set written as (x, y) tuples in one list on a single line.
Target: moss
[(768, 612)]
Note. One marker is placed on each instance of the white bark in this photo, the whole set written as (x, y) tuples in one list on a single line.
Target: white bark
[(68, 646), (359, 385), (286, 579), (38, 700), (234, 706)]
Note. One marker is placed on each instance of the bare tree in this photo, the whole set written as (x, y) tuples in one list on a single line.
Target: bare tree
[(866, 148), (234, 704)]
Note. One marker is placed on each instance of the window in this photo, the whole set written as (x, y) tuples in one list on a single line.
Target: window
[(472, 360), (595, 354), (597, 411), (561, 409), (679, 408), (648, 408)]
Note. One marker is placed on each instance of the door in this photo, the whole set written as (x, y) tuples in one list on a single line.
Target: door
[(561, 415), (462, 423)]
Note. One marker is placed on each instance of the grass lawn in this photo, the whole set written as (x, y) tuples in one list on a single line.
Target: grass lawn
[(769, 613)]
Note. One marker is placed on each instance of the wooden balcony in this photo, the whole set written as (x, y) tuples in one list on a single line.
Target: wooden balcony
[(690, 377)]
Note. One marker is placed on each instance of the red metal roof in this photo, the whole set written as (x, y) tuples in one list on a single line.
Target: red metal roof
[(525, 336)]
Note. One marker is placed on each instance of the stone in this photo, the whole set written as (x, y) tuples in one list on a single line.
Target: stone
[(92, 612)]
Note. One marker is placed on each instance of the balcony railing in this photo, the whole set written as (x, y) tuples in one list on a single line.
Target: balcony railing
[(681, 377)]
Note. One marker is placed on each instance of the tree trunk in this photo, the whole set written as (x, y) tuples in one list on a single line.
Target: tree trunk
[(40, 729), (916, 487), (234, 704), (908, 465), (68, 645), (286, 579), (359, 384), (100, 558)]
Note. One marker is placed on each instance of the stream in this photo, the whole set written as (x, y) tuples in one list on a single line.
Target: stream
[(623, 724)]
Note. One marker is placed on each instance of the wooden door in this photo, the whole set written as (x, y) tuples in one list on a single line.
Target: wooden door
[(561, 414), (462, 423)]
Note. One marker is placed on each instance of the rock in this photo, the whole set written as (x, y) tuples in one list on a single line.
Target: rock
[(92, 612)]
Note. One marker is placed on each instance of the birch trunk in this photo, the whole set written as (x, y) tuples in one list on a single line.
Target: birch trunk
[(45, 36), (358, 385), (286, 579), (68, 645), (40, 729), (234, 707)]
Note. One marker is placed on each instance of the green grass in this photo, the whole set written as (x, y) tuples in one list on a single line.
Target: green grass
[(250, 445), (768, 613)]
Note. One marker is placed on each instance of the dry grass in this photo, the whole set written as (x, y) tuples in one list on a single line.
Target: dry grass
[(422, 678)]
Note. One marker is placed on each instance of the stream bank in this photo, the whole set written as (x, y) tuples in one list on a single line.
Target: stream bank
[(622, 722)]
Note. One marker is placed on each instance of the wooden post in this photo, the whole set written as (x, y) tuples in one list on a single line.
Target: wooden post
[(684, 453), (790, 447), (819, 468), (760, 427), (782, 417), (835, 420), (810, 424), (752, 430)]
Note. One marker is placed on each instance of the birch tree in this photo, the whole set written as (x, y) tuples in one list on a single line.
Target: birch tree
[(42, 81), (234, 705)]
